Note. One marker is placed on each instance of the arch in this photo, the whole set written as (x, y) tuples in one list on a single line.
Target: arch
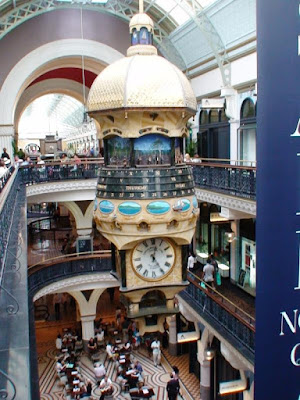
[(223, 116), (247, 109), (61, 86), (89, 213), (24, 71), (153, 298), (101, 280), (203, 119), (83, 224), (214, 116)]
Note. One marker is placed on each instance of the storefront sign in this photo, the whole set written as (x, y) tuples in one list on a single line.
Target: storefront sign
[(184, 337), (277, 349), (231, 387), (84, 244)]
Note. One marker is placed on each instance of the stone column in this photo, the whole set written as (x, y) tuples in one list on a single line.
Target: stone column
[(205, 380), (233, 113), (234, 261), (7, 133), (172, 335), (113, 258), (88, 331)]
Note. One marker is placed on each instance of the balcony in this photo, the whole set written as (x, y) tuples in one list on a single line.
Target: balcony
[(226, 178), (230, 321)]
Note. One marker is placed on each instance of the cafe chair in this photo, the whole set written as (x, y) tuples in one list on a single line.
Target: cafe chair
[(125, 387), (109, 397)]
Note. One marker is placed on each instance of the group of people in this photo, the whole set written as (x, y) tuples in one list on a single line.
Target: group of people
[(118, 343), (69, 346)]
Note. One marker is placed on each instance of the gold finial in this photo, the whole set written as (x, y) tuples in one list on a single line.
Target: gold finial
[(141, 6)]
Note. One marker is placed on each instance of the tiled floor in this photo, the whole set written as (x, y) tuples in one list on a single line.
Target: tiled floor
[(155, 377)]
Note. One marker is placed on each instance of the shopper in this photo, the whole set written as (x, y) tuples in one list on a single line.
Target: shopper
[(208, 273), (155, 346), (173, 387), (191, 262)]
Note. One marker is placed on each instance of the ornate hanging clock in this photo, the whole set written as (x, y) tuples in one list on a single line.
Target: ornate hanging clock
[(153, 259)]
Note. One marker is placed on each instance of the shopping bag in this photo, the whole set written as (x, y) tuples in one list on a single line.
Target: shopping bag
[(202, 284), (218, 278)]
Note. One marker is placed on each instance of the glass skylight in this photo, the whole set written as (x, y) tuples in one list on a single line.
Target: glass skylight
[(179, 10), (51, 114)]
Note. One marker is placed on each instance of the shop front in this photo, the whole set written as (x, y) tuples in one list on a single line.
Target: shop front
[(212, 237)]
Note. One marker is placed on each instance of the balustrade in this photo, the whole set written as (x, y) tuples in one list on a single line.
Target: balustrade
[(229, 179), (237, 326)]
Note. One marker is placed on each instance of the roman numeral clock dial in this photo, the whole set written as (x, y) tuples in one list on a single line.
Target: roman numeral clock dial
[(153, 259)]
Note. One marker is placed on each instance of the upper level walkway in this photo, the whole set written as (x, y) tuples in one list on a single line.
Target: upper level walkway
[(217, 182)]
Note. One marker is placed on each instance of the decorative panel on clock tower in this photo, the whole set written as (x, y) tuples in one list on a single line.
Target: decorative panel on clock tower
[(145, 202)]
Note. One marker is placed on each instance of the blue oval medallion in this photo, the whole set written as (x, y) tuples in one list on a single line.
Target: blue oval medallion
[(106, 206), (195, 202), (95, 204), (129, 208), (158, 207), (182, 205), (185, 205)]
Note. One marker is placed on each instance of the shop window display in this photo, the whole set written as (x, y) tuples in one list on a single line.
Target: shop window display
[(211, 238), (247, 273)]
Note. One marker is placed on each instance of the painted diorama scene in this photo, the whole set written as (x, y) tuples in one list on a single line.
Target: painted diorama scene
[(152, 149), (118, 151)]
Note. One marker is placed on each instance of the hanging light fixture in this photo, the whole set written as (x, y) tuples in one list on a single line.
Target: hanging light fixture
[(86, 121)]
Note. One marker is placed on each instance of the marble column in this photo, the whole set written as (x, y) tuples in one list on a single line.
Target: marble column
[(7, 134), (234, 260), (172, 335), (205, 380), (88, 331)]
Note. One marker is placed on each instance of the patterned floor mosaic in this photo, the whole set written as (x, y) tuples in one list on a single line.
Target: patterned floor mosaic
[(155, 377)]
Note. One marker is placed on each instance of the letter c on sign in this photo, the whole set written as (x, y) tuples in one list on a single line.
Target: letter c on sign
[(295, 361)]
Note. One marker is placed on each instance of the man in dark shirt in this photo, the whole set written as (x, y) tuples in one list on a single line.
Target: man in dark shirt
[(173, 388), (5, 154)]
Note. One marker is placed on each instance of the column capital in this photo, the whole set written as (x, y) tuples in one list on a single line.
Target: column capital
[(7, 130), (88, 318), (84, 232), (231, 97)]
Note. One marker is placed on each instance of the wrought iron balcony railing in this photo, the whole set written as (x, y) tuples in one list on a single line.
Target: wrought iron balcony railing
[(66, 266), (14, 342), (234, 180), (56, 171), (234, 324), (222, 176), (5, 177)]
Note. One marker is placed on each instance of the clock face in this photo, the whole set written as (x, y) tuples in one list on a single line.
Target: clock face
[(153, 259)]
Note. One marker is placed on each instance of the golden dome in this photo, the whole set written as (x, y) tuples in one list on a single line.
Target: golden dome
[(141, 81)]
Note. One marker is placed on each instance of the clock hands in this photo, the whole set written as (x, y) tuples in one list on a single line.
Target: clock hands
[(155, 263)]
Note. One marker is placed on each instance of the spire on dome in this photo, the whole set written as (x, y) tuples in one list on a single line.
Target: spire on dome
[(141, 6)]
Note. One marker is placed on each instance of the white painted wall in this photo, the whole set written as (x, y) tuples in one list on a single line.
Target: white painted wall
[(243, 70)]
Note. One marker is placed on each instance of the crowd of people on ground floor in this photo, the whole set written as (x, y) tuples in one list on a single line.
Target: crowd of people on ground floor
[(117, 343)]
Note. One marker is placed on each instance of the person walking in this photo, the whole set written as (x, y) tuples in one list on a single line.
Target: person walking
[(155, 346), (191, 262), (173, 388), (208, 273)]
